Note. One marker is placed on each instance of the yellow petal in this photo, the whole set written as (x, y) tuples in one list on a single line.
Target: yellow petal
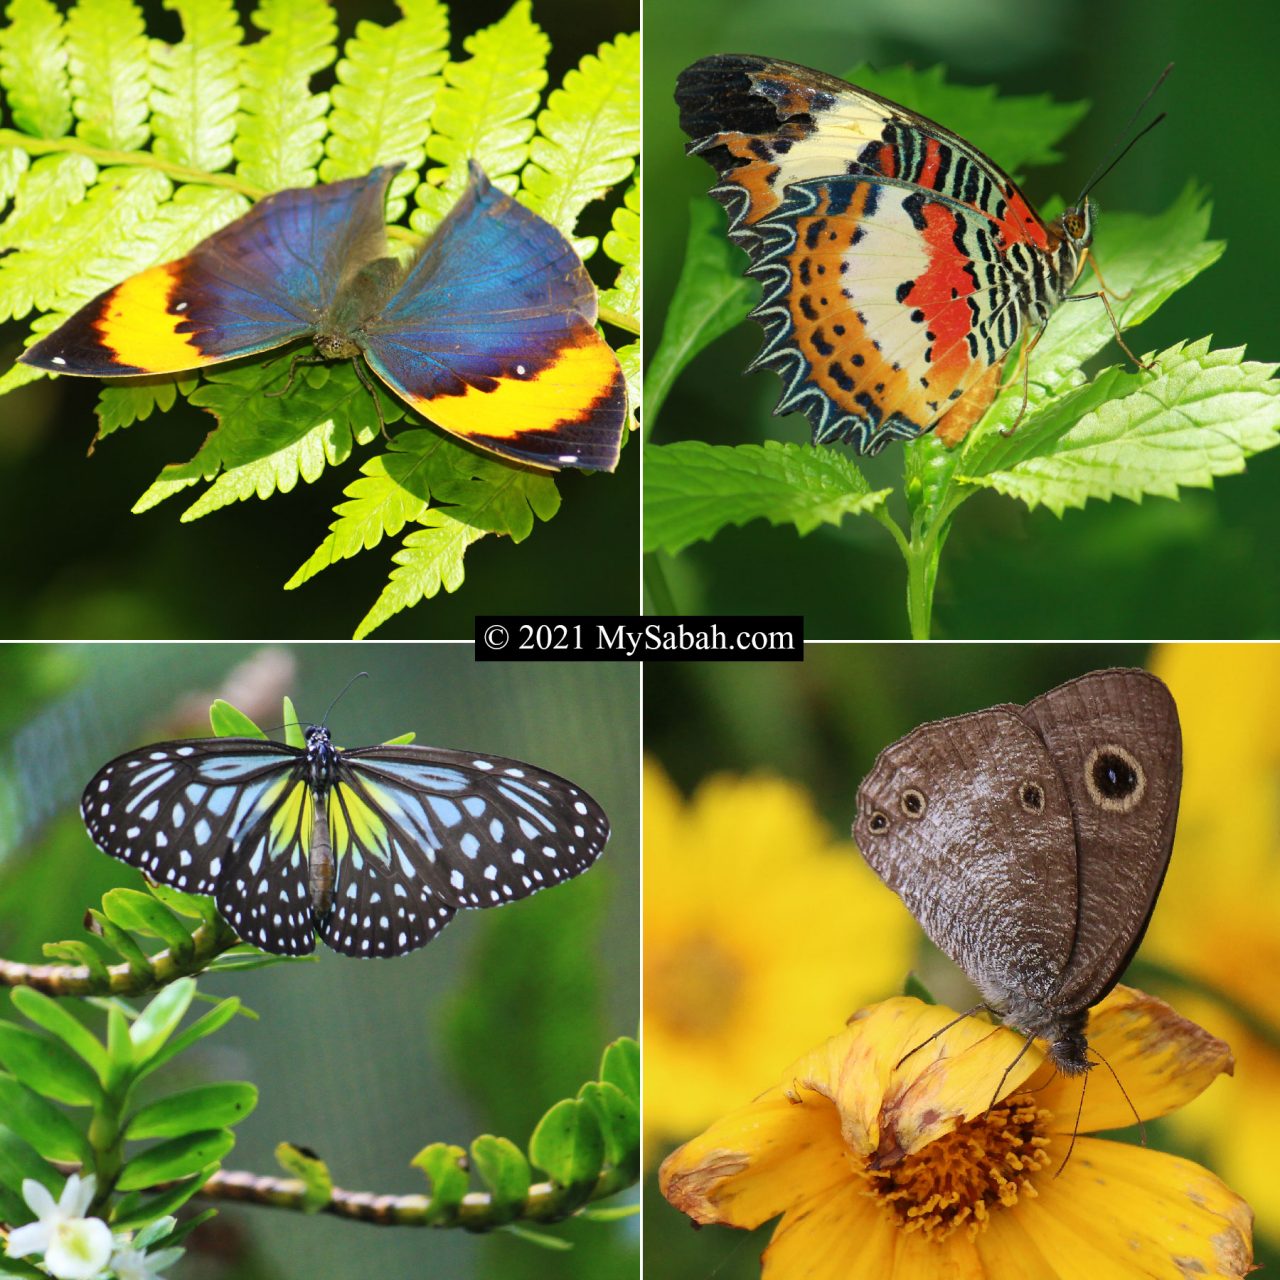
[(1120, 1212), (840, 1236), (1162, 1060), (756, 1162)]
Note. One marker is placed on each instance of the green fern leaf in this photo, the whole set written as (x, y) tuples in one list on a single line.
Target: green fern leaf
[(388, 80), (136, 400), (197, 85), (33, 68), (499, 499), (110, 73), (280, 126), (622, 244), (42, 195), (587, 137), (13, 164), (484, 111), (430, 560)]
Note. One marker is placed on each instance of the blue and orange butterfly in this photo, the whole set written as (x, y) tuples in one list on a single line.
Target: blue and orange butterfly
[(489, 332), (375, 848)]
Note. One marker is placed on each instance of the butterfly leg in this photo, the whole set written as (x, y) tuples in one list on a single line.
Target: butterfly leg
[(363, 375), (299, 357), (1025, 365), (968, 1013), (1145, 365), (1106, 288)]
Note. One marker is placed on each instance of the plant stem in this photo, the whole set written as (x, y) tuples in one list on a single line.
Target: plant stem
[(922, 573)]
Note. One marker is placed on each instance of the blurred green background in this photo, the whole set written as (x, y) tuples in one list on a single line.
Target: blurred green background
[(1205, 566), (364, 1061), (84, 566), (821, 723)]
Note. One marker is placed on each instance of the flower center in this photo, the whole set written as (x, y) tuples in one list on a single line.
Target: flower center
[(694, 987), (957, 1179)]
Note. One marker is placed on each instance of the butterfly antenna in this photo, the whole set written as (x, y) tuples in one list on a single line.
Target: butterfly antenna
[(1142, 1128), (359, 675), (1026, 1044), (1100, 173), (1075, 1128)]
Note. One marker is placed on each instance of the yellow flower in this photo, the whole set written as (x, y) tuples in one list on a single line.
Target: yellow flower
[(761, 931), (912, 1172), (1216, 921)]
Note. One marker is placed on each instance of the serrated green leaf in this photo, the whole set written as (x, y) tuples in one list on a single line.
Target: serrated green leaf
[(48, 1067), (33, 68), (622, 244), (388, 79), (444, 1165), (1199, 415), (692, 489), (158, 1021), (430, 560), (51, 186), (587, 137), (210, 1106), (40, 1123), (197, 85), (110, 73), (711, 297), (54, 1018), (14, 164), (568, 1146), (620, 1067), (281, 124), (497, 498), (484, 111), (177, 1158), (502, 1167), (230, 722), (317, 1181)]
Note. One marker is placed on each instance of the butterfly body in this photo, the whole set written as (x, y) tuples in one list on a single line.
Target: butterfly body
[(374, 848), (489, 331), (1030, 842), (899, 265)]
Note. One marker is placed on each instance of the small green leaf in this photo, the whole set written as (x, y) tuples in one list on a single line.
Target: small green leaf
[(317, 1181), (503, 1168), (293, 732), (177, 1158), (120, 1059), (619, 1121), (122, 944), (186, 904), (230, 722), (48, 1067), (620, 1066), (46, 1012), (33, 68), (110, 73), (133, 1210), (913, 986), (210, 1106), (78, 952), (693, 489), (19, 1160), (568, 1145), (445, 1167), (41, 1124), (711, 297), (141, 913), (157, 1022), (205, 1025)]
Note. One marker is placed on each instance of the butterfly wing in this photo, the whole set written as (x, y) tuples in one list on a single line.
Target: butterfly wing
[(492, 337), (227, 817), (1117, 742), (969, 823), (893, 254), (262, 281), (419, 833)]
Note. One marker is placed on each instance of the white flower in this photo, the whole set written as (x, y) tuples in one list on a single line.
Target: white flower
[(134, 1264), (74, 1247)]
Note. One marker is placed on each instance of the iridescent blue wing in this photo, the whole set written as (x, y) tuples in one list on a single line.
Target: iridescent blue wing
[(492, 336), (419, 833), (227, 817)]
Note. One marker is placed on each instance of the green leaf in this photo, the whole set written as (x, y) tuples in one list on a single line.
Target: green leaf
[(445, 1167), (205, 1025), (619, 1120), (19, 1160), (177, 1158), (711, 297), (48, 1067), (622, 244), (317, 1181), (141, 913), (121, 942), (484, 112), (43, 194), (33, 68), (53, 1017), (120, 1055), (157, 1022), (388, 79), (1200, 415), (41, 1124), (281, 123), (620, 1067), (110, 73), (503, 1168), (197, 85), (132, 1210), (293, 732), (587, 137), (430, 560), (185, 904), (692, 489), (77, 952), (568, 1145), (230, 722), (210, 1106)]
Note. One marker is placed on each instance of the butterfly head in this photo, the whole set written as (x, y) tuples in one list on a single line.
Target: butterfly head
[(322, 756)]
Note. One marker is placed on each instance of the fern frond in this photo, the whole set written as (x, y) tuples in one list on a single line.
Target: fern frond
[(281, 125), (197, 85), (33, 68), (110, 73), (622, 244), (45, 190)]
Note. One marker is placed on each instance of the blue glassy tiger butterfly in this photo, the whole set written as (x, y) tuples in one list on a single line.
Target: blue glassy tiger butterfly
[(375, 848), (899, 264), (489, 332)]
